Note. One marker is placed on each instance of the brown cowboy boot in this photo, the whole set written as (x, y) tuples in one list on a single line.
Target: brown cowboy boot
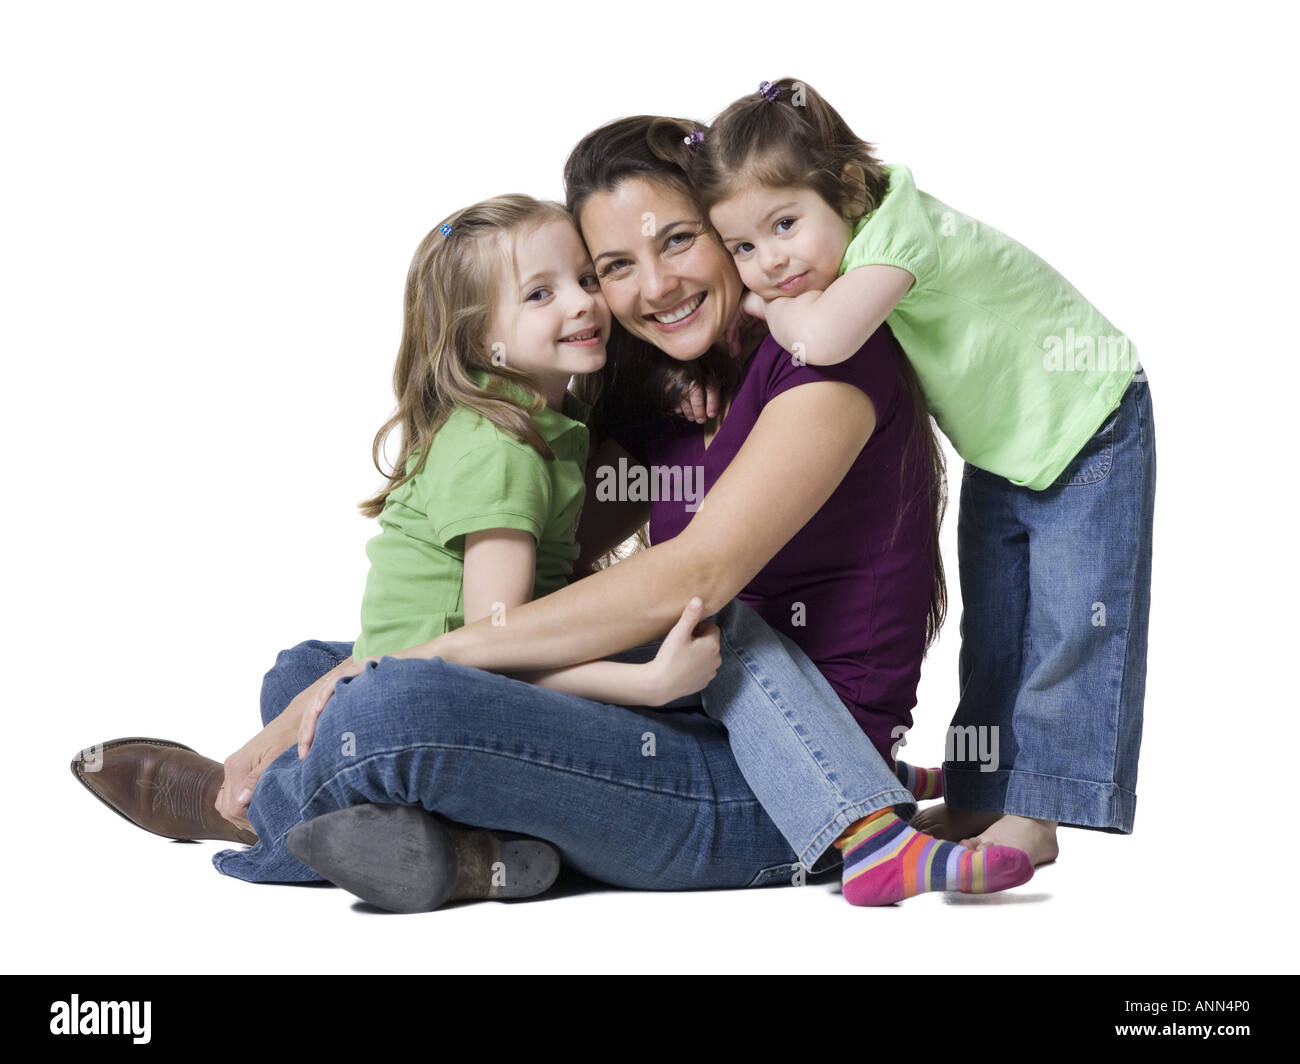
[(164, 787)]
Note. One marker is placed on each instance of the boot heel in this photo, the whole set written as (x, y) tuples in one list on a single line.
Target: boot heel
[(500, 865)]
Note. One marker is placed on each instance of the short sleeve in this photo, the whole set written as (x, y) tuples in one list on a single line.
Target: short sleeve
[(496, 485), (872, 369), (899, 233)]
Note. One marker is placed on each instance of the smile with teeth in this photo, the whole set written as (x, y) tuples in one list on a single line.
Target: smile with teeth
[(682, 310), (586, 336)]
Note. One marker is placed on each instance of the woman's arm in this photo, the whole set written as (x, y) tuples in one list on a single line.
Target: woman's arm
[(825, 328), (804, 442), (500, 568)]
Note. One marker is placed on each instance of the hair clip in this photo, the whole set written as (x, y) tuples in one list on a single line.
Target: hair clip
[(768, 91), (694, 138), (445, 230)]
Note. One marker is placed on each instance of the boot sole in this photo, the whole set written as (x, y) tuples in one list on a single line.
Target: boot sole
[(406, 860)]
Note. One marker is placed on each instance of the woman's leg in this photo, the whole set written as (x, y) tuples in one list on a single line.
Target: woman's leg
[(632, 797), (798, 747), (297, 669), (823, 781)]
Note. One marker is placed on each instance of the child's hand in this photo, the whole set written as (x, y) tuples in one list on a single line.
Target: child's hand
[(699, 404), (688, 659), (754, 305)]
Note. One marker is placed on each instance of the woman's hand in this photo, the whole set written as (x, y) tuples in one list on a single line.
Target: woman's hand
[(296, 724), (688, 658), (245, 767), (308, 704)]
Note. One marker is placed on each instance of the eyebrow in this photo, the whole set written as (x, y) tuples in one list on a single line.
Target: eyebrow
[(664, 230), (539, 276), (766, 218), (527, 282)]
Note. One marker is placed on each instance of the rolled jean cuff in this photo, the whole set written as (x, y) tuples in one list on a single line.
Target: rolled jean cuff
[(1070, 802), (820, 847)]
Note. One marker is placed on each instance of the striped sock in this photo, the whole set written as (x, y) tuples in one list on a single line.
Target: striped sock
[(924, 783), (886, 861)]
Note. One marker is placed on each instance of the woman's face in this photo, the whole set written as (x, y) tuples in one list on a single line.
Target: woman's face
[(666, 276)]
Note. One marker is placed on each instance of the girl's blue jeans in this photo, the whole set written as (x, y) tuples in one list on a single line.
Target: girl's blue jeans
[(1056, 590), (742, 786)]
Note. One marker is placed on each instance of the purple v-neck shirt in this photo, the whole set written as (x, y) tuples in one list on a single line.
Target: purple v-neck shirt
[(852, 587)]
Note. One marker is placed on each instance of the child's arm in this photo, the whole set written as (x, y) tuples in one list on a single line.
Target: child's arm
[(499, 567), (686, 662), (825, 328)]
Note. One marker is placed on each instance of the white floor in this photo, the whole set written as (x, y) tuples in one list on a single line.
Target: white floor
[(100, 896)]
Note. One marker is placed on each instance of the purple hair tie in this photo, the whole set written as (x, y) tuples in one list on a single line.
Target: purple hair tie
[(695, 137), (768, 91)]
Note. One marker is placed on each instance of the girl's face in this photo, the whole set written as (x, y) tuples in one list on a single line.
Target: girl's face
[(784, 240), (667, 278), (550, 318)]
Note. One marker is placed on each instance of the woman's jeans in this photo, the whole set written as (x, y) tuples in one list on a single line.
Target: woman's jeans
[(1056, 589), (749, 788)]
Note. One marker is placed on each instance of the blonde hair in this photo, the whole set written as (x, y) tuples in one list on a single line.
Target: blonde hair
[(451, 291)]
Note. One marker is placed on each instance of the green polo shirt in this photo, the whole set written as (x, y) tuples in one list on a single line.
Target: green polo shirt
[(1018, 368), (477, 477)]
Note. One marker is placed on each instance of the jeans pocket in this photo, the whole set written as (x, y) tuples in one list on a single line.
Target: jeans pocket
[(1093, 463)]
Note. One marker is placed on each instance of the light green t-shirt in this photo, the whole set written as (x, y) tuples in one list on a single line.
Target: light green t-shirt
[(1018, 368), (477, 477)]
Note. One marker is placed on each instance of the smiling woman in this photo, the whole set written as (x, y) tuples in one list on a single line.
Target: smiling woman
[(665, 279)]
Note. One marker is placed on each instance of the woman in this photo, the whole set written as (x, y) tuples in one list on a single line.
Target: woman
[(629, 796)]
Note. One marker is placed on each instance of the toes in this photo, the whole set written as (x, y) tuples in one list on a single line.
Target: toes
[(921, 822), (1011, 867)]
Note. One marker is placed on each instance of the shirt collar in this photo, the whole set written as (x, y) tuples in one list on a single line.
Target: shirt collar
[(552, 424)]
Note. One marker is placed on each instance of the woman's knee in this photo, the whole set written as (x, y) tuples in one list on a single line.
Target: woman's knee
[(294, 670), (394, 698), (388, 732)]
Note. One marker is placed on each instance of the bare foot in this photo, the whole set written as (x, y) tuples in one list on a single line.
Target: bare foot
[(1035, 837), (951, 825)]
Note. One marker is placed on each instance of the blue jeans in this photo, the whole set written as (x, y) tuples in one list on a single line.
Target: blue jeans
[(1056, 590), (668, 799)]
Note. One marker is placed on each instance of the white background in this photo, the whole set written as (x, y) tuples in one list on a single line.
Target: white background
[(208, 214)]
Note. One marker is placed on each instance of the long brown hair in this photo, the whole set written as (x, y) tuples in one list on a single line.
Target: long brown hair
[(922, 449), (451, 291)]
